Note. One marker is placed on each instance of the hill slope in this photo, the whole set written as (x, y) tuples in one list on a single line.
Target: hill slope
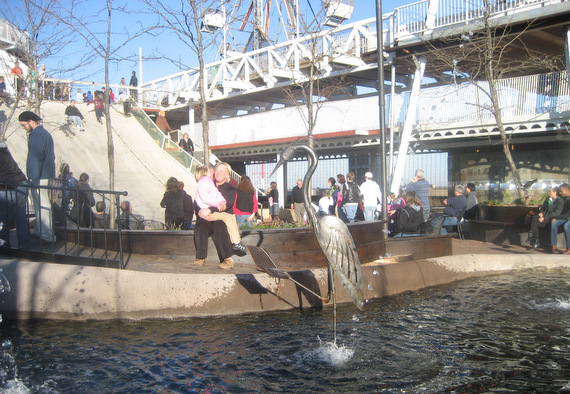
[(141, 167)]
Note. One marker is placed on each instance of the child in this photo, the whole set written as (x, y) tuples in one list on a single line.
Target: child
[(273, 198), (325, 203), (207, 195)]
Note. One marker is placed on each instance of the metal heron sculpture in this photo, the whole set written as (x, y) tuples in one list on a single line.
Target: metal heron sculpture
[(333, 237)]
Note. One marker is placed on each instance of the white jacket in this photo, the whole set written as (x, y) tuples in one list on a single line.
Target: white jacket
[(370, 193)]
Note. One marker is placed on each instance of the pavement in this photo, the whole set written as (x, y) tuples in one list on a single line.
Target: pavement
[(141, 166), (181, 264)]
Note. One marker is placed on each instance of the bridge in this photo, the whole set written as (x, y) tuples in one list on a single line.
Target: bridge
[(256, 102)]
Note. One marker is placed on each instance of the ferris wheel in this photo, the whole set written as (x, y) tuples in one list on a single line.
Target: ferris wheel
[(253, 24)]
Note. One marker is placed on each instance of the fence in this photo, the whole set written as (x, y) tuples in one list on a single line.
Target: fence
[(67, 221)]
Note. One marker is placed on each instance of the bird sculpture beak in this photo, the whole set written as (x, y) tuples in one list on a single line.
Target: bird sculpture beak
[(279, 164)]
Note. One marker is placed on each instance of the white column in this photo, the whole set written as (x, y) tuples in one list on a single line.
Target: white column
[(410, 119), (567, 46)]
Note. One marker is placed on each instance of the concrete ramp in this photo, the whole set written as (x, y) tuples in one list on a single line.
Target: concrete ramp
[(141, 167)]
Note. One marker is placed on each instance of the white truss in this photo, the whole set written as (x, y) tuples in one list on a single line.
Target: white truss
[(336, 51)]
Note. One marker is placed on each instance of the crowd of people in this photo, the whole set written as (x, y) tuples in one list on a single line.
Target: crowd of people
[(26, 86), (220, 208)]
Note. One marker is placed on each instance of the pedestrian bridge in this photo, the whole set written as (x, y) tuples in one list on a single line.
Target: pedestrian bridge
[(247, 82)]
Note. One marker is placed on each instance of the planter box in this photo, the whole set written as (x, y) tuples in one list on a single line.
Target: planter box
[(501, 224), (515, 214)]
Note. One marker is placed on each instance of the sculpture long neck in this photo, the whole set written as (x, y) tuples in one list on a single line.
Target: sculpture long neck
[(313, 161)]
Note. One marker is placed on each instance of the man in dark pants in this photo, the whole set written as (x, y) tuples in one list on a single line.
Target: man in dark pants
[(219, 233), (13, 200), (298, 204)]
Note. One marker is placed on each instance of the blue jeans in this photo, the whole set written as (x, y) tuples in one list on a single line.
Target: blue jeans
[(13, 208), (439, 223), (554, 226), (370, 212), (350, 212), (242, 221)]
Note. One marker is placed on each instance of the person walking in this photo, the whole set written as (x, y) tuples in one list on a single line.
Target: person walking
[(187, 146), (371, 196), (351, 197), (134, 82), (40, 168), (298, 204)]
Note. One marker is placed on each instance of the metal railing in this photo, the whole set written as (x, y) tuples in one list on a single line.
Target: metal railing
[(412, 18), (66, 219)]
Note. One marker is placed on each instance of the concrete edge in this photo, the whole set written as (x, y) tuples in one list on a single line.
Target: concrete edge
[(55, 291)]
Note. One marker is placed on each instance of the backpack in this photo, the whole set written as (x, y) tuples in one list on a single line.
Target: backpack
[(408, 219)]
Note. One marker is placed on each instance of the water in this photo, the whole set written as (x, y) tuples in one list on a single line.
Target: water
[(507, 333)]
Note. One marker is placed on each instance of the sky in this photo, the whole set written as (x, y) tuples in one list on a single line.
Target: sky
[(162, 51)]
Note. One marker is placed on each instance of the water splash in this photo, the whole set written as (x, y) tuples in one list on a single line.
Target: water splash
[(332, 354), (4, 284), (555, 303)]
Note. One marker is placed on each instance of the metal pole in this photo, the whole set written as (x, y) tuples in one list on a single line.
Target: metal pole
[(381, 104)]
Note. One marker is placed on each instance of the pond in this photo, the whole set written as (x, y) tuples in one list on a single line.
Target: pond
[(499, 333)]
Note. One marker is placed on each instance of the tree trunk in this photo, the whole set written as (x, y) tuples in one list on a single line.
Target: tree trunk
[(497, 113), (110, 145)]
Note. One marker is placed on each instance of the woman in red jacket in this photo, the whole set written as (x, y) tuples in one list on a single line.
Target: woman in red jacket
[(245, 205)]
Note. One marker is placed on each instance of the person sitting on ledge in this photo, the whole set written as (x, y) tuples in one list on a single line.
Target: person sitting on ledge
[(452, 209), (128, 220), (101, 218), (562, 220), (551, 208), (471, 194)]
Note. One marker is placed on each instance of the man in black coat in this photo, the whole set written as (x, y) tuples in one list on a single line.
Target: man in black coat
[(12, 200)]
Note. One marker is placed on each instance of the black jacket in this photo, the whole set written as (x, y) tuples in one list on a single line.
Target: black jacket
[(409, 219), (9, 170), (351, 193), (174, 204), (73, 111)]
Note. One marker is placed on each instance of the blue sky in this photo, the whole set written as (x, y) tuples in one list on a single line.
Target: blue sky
[(175, 55)]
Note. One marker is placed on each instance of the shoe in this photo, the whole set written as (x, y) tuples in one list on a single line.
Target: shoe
[(239, 247), (553, 249), (567, 251), (226, 264), (199, 262)]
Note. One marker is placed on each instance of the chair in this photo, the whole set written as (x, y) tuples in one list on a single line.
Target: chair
[(421, 230), (460, 222)]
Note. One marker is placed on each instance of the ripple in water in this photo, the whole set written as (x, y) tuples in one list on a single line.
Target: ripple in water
[(505, 333), (329, 353)]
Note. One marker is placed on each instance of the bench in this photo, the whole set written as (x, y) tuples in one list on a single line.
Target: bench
[(498, 232), (510, 233)]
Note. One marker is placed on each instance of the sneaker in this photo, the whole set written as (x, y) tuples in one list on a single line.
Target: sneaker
[(199, 262), (226, 264), (239, 247)]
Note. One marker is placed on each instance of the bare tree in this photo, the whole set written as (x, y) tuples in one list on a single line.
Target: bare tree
[(185, 19), (103, 47), (485, 55), (40, 35), (310, 90)]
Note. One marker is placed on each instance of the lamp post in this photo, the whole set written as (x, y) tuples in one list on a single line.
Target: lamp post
[(381, 104)]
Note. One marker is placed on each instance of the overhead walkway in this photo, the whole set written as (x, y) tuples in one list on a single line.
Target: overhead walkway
[(255, 80), (141, 166)]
